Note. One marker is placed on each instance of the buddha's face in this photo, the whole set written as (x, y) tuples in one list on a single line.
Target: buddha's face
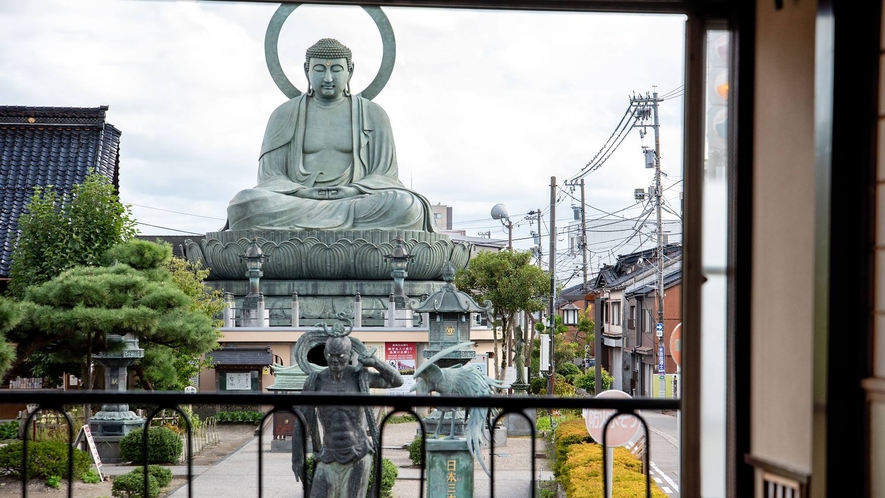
[(337, 354), (328, 77)]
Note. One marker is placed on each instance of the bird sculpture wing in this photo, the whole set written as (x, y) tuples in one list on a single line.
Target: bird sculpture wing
[(472, 382)]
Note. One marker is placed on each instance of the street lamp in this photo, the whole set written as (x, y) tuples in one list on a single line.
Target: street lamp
[(499, 212), (569, 314)]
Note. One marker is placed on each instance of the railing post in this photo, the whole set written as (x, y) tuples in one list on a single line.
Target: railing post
[(357, 311), (391, 312), (262, 314), (230, 312), (296, 310)]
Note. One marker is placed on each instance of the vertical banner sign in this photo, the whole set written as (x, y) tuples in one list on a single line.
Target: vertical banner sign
[(93, 450), (402, 356), (661, 360)]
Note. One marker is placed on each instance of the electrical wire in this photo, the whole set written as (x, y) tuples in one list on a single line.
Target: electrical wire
[(167, 228), (175, 212)]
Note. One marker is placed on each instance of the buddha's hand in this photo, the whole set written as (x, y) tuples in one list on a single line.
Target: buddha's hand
[(327, 193)]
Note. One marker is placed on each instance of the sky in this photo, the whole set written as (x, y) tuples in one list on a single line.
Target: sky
[(486, 106)]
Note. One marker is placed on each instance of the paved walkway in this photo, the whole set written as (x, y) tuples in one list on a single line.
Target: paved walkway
[(237, 475)]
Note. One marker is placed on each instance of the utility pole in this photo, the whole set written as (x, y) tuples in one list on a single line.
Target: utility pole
[(646, 104), (584, 236), (552, 372)]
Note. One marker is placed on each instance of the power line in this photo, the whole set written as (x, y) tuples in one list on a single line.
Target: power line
[(167, 228), (176, 212)]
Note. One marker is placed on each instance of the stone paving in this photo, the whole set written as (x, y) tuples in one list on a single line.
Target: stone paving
[(237, 475)]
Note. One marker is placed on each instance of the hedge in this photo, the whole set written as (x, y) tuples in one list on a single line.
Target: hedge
[(164, 446), (45, 459), (581, 473), (131, 484)]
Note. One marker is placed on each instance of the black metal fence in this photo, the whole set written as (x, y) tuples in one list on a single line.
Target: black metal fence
[(60, 401)]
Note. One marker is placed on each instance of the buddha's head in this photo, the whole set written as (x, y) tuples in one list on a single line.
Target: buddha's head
[(328, 66)]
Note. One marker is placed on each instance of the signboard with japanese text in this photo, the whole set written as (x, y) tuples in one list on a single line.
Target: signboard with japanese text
[(402, 356)]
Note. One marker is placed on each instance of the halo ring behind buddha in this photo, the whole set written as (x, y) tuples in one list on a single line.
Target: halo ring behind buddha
[(272, 56)]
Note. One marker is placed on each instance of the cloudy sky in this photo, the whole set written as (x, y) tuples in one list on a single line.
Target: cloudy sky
[(485, 106)]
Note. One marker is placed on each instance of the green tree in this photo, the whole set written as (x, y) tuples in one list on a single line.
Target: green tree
[(10, 315), (60, 231), (510, 281), (72, 316), (585, 328), (563, 351)]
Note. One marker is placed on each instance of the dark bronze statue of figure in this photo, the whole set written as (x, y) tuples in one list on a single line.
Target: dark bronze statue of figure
[(343, 454)]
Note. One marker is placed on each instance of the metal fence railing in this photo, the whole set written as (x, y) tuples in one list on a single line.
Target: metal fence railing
[(63, 402)]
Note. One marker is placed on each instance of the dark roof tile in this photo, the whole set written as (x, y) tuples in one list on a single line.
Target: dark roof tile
[(41, 146)]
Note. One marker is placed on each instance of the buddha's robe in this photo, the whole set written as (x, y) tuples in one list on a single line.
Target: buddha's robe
[(383, 203)]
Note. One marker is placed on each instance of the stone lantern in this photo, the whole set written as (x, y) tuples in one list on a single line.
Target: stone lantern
[(449, 311), (252, 314), (115, 420)]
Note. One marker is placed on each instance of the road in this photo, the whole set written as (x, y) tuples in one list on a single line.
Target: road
[(664, 450)]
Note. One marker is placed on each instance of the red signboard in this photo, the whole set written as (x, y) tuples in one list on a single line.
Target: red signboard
[(401, 355)]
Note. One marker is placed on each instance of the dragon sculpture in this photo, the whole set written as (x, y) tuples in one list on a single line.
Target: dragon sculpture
[(460, 381)]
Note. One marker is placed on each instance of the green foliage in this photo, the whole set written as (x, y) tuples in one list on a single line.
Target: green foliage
[(91, 477), (389, 473), (60, 231), (164, 446), (239, 417), (508, 280), (75, 313), (401, 419), (537, 384), (567, 433), (581, 473), (131, 485), (563, 350), (11, 313), (587, 381), (53, 482), (45, 459), (9, 430), (585, 327), (416, 449), (569, 372)]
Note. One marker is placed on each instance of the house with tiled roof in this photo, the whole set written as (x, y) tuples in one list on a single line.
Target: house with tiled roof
[(41, 146)]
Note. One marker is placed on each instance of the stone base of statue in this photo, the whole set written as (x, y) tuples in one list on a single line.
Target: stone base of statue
[(440, 422), (327, 270), (449, 468), (327, 255)]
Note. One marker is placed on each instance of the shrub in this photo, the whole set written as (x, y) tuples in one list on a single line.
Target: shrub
[(45, 459), (389, 473), (8, 430), (164, 446), (537, 384), (53, 482), (240, 417), (569, 371), (415, 450), (587, 381), (567, 433), (91, 477), (581, 473), (131, 485)]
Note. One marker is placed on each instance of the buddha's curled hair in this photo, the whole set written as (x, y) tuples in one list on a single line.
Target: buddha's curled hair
[(329, 48)]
